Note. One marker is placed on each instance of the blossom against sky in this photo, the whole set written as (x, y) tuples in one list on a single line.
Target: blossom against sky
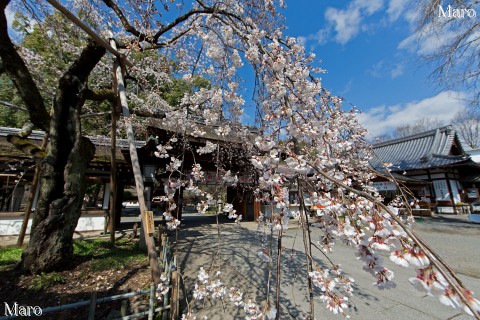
[(372, 57)]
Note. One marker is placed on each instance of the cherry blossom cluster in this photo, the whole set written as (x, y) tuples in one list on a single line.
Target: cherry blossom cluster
[(323, 279), (205, 287), (433, 283), (163, 287)]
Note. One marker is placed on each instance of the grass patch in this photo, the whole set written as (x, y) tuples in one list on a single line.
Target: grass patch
[(44, 281), (104, 257), (99, 251), (10, 255)]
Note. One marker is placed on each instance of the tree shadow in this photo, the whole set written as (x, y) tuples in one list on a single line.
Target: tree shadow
[(242, 268)]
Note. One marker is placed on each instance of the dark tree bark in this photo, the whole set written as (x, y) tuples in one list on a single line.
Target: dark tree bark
[(12, 64), (63, 170)]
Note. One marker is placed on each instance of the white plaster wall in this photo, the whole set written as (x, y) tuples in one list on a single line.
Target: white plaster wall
[(10, 226)]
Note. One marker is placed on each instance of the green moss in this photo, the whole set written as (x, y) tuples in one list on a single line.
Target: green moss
[(10, 255), (44, 281)]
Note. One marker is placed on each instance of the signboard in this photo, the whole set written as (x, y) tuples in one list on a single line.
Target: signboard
[(472, 193), (441, 190), (150, 225), (384, 185)]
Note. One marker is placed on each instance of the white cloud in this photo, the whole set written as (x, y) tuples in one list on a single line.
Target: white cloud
[(395, 9), (382, 69), (385, 119), (347, 23), (318, 38), (377, 69), (426, 43), (397, 71)]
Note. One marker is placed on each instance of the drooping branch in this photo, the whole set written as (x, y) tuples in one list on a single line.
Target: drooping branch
[(21, 76), (433, 257)]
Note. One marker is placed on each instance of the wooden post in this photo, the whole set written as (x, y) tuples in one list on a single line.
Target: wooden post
[(256, 209), (174, 299), (93, 304), (152, 254), (31, 196), (113, 174), (151, 305)]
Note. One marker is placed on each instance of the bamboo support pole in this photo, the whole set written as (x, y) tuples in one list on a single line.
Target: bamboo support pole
[(89, 31), (113, 171), (151, 302), (152, 254)]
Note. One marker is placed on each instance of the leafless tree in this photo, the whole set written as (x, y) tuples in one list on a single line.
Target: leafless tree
[(467, 123), (453, 30), (419, 126)]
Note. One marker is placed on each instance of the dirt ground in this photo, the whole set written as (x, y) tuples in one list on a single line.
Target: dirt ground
[(80, 282)]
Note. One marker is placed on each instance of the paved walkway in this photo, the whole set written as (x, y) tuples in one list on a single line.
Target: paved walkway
[(241, 267)]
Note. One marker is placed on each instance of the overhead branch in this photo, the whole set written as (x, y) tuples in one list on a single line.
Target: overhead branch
[(8, 104), (186, 16), (126, 25), (18, 72), (149, 113), (100, 95), (153, 40), (97, 114)]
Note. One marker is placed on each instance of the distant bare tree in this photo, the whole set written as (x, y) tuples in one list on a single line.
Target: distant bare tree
[(453, 26), (419, 126), (467, 123)]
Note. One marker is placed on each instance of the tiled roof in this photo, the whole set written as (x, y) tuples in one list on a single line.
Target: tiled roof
[(420, 151), (96, 140)]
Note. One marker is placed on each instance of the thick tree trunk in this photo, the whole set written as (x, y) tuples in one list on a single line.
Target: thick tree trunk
[(63, 171)]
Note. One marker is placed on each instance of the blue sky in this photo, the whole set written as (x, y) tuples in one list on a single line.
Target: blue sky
[(372, 57)]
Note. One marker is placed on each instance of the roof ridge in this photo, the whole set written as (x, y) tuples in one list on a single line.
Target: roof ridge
[(435, 142), (411, 137)]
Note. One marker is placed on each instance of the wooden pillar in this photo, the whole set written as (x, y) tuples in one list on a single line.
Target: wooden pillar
[(178, 198), (118, 202), (238, 198), (256, 210), (450, 191)]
